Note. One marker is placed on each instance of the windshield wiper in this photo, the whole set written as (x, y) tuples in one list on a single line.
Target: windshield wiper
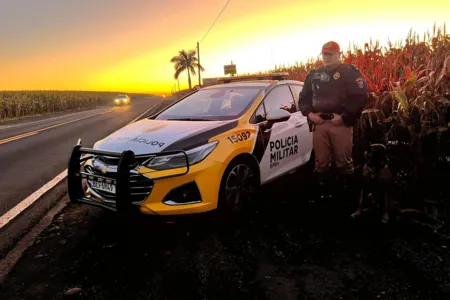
[(189, 119)]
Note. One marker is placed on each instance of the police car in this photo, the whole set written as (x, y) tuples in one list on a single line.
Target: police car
[(211, 149)]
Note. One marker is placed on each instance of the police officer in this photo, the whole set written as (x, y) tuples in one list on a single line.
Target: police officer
[(333, 97)]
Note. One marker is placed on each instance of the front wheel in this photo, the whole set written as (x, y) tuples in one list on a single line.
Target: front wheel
[(238, 186)]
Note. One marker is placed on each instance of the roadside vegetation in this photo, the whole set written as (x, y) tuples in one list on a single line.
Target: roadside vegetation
[(408, 109), (19, 104)]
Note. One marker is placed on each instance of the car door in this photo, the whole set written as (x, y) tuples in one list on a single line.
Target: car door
[(305, 140), (282, 151)]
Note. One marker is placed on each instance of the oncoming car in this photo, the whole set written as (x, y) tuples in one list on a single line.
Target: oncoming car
[(122, 100), (209, 150)]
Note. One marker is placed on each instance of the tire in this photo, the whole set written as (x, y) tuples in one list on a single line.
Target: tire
[(238, 186)]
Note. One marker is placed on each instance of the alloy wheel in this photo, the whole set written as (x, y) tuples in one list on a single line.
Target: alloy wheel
[(239, 187)]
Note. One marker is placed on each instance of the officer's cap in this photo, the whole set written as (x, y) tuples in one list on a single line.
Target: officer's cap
[(331, 47)]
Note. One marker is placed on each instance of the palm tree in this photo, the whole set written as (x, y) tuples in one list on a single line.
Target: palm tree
[(186, 61)]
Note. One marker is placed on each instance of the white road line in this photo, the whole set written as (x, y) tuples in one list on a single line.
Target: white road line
[(20, 136), (14, 212), (47, 119), (59, 117), (24, 204)]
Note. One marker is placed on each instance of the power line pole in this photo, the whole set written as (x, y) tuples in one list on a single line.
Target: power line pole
[(198, 44), (198, 54)]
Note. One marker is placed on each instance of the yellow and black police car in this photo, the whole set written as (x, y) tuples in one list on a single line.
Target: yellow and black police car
[(211, 149)]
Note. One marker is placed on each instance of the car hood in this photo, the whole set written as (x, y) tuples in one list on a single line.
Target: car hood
[(152, 136)]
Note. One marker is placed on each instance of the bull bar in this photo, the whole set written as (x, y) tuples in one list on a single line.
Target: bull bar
[(128, 160)]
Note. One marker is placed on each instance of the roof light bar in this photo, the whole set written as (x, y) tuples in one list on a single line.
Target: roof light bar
[(271, 76)]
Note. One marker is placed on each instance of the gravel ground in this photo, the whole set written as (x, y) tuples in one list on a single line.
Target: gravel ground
[(284, 248)]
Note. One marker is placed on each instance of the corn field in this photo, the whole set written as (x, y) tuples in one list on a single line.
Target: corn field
[(18, 104), (408, 108)]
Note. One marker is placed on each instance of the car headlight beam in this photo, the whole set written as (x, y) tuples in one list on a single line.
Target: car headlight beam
[(174, 161)]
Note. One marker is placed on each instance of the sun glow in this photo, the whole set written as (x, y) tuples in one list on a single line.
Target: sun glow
[(254, 35)]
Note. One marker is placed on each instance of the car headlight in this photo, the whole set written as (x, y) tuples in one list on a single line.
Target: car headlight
[(178, 160)]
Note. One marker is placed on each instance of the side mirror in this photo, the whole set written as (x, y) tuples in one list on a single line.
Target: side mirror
[(276, 116)]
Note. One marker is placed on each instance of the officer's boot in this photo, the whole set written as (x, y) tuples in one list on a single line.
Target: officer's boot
[(323, 188), (348, 191), (318, 184), (329, 188)]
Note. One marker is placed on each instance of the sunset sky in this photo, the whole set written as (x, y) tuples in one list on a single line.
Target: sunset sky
[(126, 45)]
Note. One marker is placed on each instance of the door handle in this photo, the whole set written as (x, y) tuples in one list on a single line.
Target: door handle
[(299, 124)]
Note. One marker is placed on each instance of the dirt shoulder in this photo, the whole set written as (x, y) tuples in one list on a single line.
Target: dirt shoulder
[(284, 249)]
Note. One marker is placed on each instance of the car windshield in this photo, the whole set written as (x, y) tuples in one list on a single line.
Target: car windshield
[(122, 96), (214, 104)]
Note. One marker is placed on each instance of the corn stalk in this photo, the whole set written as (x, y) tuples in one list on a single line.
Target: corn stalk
[(409, 102)]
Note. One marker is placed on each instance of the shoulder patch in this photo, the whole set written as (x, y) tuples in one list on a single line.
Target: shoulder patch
[(360, 82)]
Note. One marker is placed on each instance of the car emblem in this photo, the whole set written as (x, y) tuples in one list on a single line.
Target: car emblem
[(336, 76), (104, 170)]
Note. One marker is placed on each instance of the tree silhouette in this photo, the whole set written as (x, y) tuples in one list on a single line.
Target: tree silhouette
[(186, 61)]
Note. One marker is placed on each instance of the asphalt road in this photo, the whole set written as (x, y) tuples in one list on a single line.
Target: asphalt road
[(32, 152), (283, 248)]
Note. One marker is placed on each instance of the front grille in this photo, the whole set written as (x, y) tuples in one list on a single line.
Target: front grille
[(140, 185)]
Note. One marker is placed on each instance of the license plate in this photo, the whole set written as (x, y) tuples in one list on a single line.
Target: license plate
[(103, 186)]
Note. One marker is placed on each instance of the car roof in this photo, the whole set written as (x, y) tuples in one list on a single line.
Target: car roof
[(253, 83), (261, 83)]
